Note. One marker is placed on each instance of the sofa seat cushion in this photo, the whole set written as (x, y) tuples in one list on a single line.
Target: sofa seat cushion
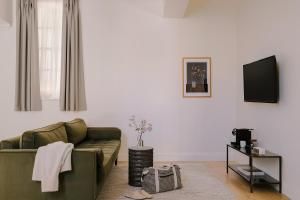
[(40, 137), (110, 150), (76, 130)]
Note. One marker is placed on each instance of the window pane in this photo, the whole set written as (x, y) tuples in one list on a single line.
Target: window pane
[(50, 33)]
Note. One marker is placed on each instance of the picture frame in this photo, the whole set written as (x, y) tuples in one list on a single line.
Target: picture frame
[(196, 79)]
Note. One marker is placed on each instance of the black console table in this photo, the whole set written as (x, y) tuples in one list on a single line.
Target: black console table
[(254, 180)]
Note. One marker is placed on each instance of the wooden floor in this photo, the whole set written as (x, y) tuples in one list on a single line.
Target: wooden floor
[(237, 185), (240, 187)]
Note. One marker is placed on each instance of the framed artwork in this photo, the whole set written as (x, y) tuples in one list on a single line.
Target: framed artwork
[(196, 77)]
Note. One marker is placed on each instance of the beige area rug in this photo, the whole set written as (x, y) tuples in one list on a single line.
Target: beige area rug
[(198, 184)]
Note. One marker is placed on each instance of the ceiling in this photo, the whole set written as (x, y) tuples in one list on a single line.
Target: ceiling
[(164, 8)]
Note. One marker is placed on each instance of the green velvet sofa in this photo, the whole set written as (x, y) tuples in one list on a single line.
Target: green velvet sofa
[(95, 153)]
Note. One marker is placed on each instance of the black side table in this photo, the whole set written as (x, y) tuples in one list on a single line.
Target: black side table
[(139, 158)]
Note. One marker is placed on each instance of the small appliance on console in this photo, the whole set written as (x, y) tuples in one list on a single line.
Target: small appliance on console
[(243, 134)]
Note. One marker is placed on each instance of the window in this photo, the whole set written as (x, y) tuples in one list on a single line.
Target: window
[(50, 14)]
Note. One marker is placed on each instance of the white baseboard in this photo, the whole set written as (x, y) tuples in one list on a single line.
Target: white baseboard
[(217, 156)]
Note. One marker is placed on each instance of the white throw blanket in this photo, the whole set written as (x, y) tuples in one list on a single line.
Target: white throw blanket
[(49, 161)]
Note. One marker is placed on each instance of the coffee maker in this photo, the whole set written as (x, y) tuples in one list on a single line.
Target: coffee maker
[(243, 134)]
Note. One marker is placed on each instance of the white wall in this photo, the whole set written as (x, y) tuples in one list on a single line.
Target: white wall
[(133, 66), (272, 27), (5, 12)]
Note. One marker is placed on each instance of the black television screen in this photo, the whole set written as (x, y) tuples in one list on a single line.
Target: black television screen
[(261, 81)]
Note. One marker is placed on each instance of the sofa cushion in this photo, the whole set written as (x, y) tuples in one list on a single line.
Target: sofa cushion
[(110, 150), (40, 137), (12, 143), (76, 130)]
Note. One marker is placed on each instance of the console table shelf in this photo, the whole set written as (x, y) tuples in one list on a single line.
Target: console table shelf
[(252, 179), (256, 179)]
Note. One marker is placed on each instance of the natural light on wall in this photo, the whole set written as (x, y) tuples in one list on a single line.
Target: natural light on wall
[(50, 33)]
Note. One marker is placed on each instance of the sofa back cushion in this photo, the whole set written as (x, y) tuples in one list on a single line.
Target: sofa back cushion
[(76, 130), (12, 143), (40, 137)]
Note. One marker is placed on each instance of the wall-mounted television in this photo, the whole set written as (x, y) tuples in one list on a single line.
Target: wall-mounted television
[(261, 81)]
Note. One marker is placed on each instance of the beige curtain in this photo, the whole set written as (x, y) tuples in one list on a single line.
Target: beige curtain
[(27, 77), (72, 90)]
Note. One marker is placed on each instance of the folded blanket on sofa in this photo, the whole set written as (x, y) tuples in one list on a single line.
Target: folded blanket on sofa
[(50, 160)]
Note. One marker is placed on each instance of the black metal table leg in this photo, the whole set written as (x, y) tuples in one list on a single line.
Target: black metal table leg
[(251, 173), (227, 160), (280, 175)]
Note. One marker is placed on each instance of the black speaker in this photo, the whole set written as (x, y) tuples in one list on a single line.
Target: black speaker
[(243, 134)]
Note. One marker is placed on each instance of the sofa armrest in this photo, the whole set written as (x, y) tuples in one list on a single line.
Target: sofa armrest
[(103, 133), (11, 143), (16, 167)]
